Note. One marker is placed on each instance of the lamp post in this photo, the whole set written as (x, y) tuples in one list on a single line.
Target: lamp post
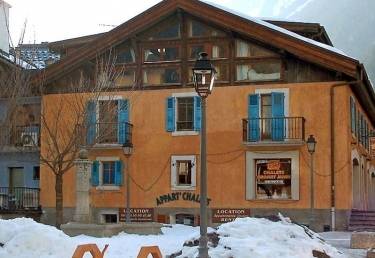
[(128, 150), (311, 144), (203, 78)]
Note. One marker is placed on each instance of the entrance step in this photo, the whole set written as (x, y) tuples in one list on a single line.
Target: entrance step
[(362, 221)]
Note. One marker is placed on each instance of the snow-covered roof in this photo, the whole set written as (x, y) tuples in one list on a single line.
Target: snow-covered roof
[(279, 29), (17, 61)]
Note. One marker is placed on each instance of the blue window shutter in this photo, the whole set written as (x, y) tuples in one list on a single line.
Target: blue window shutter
[(118, 172), (197, 114), (278, 122), (253, 116), (95, 173), (91, 122), (352, 114), (123, 129), (170, 114)]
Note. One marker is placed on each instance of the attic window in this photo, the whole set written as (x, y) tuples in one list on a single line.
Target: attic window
[(198, 29), (169, 29), (259, 71), (126, 56), (246, 49)]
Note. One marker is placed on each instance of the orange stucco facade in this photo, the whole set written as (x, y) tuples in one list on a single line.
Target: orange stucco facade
[(150, 163)]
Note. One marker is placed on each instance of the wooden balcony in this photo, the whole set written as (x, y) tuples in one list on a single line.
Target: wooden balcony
[(285, 131)]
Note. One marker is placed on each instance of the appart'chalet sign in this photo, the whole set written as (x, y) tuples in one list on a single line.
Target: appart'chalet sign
[(176, 196)]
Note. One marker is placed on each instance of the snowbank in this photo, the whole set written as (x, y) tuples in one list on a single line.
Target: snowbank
[(245, 237)]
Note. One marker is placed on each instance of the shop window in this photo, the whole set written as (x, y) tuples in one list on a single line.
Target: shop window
[(157, 76), (185, 219), (259, 71), (36, 173), (273, 178), (246, 49), (126, 78), (183, 172), (162, 54), (198, 29)]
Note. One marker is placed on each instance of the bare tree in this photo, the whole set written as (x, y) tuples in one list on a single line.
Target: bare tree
[(65, 121)]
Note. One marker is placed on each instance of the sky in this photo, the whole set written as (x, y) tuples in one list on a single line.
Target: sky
[(52, 20)]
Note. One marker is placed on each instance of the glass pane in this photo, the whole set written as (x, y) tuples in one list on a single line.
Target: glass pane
[(127, 78), (185, 114), (153, 55), (165, 32), (108, 172), (220, 51), (262, 71), (273, 178), (183, 172), (222, 72), (126, 56), (246, 49), (156, 76), (195, 51), (162, 54), (198, 29)]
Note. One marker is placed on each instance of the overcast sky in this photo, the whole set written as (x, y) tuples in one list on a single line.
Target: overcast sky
[(51, 20)]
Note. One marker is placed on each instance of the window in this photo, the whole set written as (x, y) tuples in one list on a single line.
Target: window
[(183, 113), (36, 173), (185, 219), (107, 121), (168, 29), (157, 76), (246, 49), (107, 173), (126, 56), (214, 50), (222, 73), (259, 71), (126, 78), (198, 29), (183, 175), (109, 218), (273, 178), (353, 114), (162, 54)]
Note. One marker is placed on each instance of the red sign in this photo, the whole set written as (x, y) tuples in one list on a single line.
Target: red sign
[(137, 214), (228, 215)]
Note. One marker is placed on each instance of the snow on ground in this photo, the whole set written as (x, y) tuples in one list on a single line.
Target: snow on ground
[(245, 237)]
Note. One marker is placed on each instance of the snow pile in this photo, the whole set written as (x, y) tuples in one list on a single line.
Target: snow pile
[(245, 237), (262, 238)]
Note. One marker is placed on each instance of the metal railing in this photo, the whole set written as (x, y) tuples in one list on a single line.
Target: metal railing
[(277, 129), (108, 133), (19, 198), (20, 136)]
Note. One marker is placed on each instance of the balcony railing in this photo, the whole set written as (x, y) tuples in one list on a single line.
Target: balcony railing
[(19, 198), (280, 129), (108, 133), (20, 136)]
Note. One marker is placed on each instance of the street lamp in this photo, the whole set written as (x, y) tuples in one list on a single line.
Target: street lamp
[(203, 78), (311, 144), (127, 148)]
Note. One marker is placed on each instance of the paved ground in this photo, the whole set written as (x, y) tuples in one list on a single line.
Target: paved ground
[(341, 240)]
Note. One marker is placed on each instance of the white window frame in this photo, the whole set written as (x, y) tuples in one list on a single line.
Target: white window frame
[(102, 214), (251, 173), (101, 186), (183, 95), (174, 184)]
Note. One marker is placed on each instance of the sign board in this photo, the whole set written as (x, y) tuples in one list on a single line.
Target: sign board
[(137, 214), (228, 215)]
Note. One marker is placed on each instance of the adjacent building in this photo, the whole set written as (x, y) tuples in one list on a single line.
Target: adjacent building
[(278, 82)]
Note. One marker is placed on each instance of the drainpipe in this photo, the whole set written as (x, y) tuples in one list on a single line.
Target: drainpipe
[(332, 116)]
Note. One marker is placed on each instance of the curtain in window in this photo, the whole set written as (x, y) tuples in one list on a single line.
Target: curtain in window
[(242, 49)]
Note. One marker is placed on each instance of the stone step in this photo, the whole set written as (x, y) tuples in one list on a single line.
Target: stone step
[(354, 222), (361, 228), (362, 218)]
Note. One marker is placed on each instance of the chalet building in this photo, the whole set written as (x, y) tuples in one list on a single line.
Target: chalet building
[(277, 83)]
